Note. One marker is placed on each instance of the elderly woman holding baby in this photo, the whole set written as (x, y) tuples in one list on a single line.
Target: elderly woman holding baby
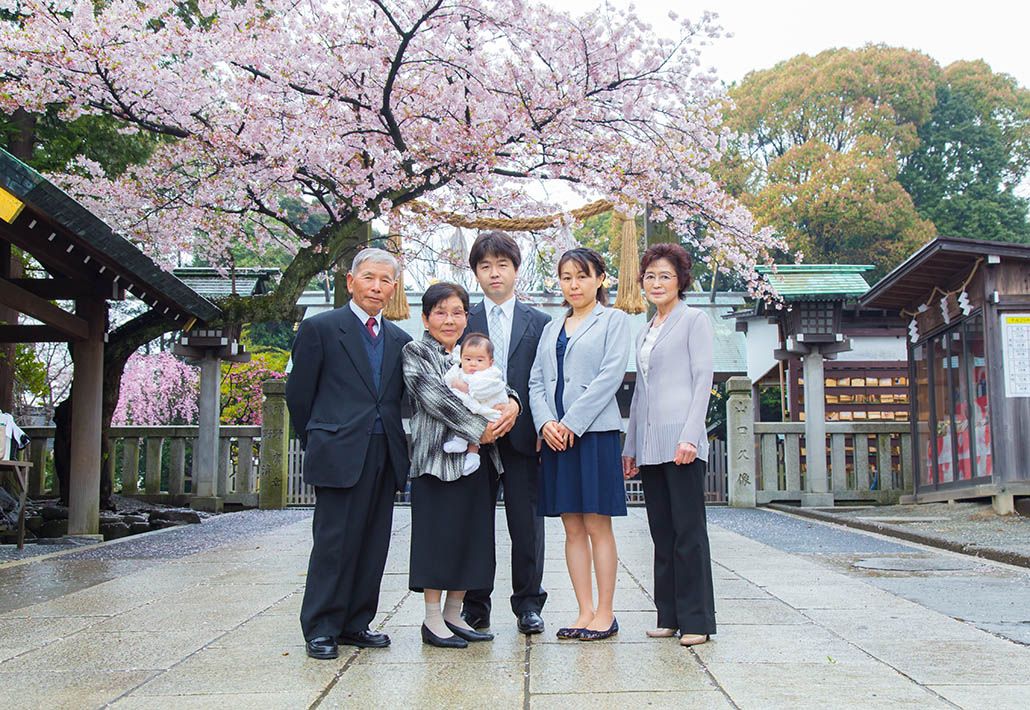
[(452, 532)]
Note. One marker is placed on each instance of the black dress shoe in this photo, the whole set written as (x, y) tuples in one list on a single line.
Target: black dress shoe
[(476, 621), (364, 639), (323, 648), (530, 623), (591, 635), (472, 636), (428, 637)]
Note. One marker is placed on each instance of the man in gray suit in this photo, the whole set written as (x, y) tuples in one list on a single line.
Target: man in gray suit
[(514, 329), (344, 394)]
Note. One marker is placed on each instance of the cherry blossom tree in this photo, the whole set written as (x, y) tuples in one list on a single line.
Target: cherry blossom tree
[(357, 107), (157, 389)]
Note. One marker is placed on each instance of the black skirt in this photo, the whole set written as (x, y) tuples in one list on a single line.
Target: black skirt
[(452, 533)]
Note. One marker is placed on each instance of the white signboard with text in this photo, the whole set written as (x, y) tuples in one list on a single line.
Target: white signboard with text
[(1015, 339)]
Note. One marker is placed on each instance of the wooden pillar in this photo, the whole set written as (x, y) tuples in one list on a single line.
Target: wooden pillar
[(740, 443), (817, 489), (275, 434), (205, 449), (84, 478)]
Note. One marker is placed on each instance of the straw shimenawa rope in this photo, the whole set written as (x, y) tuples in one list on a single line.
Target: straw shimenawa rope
[(509, 224), (397, 307), (629, 297)]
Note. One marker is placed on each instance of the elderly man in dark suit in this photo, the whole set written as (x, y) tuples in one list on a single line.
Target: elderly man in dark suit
[(344, 394), (514, 329)]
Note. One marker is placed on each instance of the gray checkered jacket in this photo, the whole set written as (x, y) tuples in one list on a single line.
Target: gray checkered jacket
[(438, 414)]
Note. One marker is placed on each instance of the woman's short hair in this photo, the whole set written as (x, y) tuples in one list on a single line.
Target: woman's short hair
[(675, 255), (478, 340), (374, 255), (495, 244), (441, 291), (592, 263)]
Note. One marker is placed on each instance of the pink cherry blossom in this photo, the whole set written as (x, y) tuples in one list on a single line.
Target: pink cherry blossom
[(351, 108)]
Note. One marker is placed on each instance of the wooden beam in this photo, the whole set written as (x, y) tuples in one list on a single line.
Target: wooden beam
[(34, 334), (66, 289), (24, 302), (36, 241)]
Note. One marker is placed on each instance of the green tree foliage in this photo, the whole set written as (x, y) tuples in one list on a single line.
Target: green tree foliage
[(974, 151), (818, 149), (842, 206)]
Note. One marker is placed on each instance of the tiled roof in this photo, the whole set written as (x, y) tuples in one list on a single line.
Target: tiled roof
[(212, 283), (119, 256), (817, 281)]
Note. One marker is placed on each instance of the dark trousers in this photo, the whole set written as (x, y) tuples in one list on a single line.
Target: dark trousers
[(675, 499), (351, 531), (526, 529)]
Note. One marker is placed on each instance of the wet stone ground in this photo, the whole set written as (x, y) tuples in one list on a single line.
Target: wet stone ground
[(810, 615)]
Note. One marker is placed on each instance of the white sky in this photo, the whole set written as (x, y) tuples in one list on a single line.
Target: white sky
[(768, 32)]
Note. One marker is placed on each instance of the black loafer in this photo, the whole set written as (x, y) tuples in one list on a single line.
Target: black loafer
[(428, 637), (476, 621), (323, 648), (364, 639), (590, 635), (530, 623), (471, 636)]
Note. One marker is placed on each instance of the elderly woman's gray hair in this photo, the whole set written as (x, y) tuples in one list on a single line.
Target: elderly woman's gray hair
[(375, 255)]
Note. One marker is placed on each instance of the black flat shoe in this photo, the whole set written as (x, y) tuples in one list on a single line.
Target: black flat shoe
[(364, 639), (569, 632), (428, 637), (590, 635), (530, 623), (323, 648), (476, 621), (471, 636)]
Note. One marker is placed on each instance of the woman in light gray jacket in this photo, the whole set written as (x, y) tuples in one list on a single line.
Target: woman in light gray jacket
[(667, 442), (579, 366)]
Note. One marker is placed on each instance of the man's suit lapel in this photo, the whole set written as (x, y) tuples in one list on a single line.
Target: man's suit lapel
[(477, 320), (391, 351), (519, 323), (350, 337)]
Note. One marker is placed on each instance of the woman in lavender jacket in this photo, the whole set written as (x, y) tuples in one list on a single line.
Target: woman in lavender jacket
[(667, 443)]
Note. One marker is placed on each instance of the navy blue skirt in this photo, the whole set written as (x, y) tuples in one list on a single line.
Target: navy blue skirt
[(584, 479)]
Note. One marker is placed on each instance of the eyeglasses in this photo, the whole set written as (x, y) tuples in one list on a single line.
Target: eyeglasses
[(442, 314), (663, 278)]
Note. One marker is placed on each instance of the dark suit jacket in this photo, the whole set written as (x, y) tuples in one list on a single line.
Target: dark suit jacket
[(527, 324), (333, 400)]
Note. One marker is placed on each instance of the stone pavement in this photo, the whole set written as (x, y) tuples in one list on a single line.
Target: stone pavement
[(207, 617)]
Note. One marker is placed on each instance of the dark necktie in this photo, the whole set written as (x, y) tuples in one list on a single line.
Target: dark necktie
[(371, 325)]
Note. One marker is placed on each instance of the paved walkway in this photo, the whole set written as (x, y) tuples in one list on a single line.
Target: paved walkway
[(808, 617)]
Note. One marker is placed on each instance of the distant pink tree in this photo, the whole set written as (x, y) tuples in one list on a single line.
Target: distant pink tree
[(157, 389)]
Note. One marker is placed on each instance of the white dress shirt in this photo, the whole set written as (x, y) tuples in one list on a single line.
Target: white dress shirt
[(363, 317), (502, 339)]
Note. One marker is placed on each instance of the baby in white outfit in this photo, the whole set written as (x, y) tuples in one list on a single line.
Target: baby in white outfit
[(480, 385)]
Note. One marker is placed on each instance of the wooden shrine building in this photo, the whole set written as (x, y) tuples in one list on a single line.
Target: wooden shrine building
[(967, 305), (88, 264)]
